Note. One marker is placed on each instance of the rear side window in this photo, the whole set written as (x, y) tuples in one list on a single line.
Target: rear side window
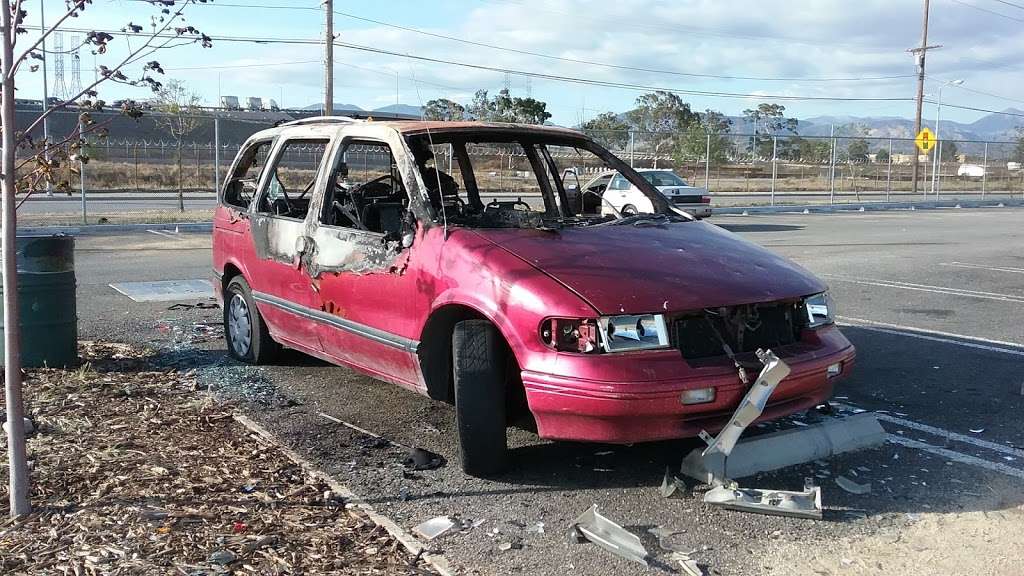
[(290, 184), (241, 186), (619, 183)]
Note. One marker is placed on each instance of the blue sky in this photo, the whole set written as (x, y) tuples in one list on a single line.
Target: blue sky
[(812, 39)]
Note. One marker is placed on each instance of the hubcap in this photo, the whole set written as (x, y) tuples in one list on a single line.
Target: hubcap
[(239, 325)]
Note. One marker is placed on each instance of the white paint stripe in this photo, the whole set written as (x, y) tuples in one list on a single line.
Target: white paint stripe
[(980, 267), (987, 445), (958, 457), (162, 233), (935, 335), (934, 289)]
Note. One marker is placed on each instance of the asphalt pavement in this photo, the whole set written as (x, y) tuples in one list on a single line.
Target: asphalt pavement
[(932, 300)]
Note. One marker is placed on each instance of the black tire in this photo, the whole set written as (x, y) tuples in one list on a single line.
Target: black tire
[(479, 359), (629, 210), (260, 348)]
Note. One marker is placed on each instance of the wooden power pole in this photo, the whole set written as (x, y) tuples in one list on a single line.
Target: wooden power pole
[(329, 58), (919, 54)]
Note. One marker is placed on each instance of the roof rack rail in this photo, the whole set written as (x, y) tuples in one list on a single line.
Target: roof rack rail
[(321, 120)]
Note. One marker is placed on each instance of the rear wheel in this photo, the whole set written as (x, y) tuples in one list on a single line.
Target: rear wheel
[(629, 210), (245, 332), (479, 359)]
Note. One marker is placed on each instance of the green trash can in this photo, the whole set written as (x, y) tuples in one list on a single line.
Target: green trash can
[(46, 298)]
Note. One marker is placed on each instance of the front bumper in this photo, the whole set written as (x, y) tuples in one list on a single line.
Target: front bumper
[(624, 412)]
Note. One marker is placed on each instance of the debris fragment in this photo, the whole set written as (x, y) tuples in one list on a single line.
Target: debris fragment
[(513, 544), (420, 459), (688, 565), (977, 430), (434, 527), (671, 485), (806, 504), (853, 487), (608, 535), (223, 557)]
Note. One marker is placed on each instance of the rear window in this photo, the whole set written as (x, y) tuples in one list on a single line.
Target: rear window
[(663, 179)]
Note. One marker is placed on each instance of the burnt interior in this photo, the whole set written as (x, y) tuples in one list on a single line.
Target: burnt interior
[(743, 328)]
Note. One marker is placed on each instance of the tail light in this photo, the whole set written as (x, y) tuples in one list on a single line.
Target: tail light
[(570, 335), (705, 199)]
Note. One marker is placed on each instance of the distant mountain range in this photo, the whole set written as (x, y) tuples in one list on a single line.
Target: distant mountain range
[(389, 109), (990, 127)]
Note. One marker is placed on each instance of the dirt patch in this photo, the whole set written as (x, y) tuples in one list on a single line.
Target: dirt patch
[(134, 471), (985, 541)]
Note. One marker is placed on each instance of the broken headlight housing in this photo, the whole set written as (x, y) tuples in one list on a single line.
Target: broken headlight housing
[(570, 334), (633, 332), (820, 310)]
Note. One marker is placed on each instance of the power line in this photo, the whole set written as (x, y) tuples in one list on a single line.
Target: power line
[(562, 58), (1013, 4), (975, 109), (555, 77), (993, 12)]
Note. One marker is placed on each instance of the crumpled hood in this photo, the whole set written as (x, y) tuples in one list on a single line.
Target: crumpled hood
[(674, 267)]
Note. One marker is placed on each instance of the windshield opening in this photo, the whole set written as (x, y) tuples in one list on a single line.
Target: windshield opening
[(524, 180)]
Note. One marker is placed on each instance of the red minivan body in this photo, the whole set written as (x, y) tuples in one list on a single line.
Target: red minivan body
[(380, 289)]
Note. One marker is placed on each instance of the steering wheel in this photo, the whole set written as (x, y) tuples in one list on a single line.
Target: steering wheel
[(375, 182)]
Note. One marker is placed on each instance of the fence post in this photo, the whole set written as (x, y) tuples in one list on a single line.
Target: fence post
[(832, 165), (888, 173), (984, 173), (707, 164), (81, 176), (632, 147), (775, 156), (216, 154)]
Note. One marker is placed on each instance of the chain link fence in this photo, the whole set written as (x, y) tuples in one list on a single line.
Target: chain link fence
[(160, 179)]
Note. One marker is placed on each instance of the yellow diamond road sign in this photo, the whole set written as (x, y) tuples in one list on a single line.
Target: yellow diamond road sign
[(925, 140)]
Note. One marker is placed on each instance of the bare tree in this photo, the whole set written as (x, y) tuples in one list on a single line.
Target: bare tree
[(178, 112), (40, 161)]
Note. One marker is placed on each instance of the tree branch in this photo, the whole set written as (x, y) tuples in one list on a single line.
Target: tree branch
[(79, 6), (130, 58)]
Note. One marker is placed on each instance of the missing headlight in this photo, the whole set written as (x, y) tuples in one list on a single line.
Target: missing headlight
[(820, 310)]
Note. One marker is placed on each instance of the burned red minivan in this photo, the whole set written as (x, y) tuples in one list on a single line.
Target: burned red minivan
[(445, 258)]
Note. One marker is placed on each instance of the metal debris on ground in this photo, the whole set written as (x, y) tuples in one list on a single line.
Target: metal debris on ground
[(592, 526), (853, 487), (688, 565), (671, 485), (806, 504), (434, 527), (136, 473)]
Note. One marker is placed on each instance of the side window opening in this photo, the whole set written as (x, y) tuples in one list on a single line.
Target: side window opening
[(241, 185), (365, 191), (619, 183), (291, 184)]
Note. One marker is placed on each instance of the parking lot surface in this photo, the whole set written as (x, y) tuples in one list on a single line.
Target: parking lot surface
[(933, 300)]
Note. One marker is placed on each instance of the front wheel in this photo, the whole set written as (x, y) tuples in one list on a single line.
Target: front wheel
[(245, 332), (479, 358), (629, 210)]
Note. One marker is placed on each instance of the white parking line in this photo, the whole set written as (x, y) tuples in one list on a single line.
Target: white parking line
[(166, 234), (980, 267), (927, 288), (1014, 348), (958, 457)]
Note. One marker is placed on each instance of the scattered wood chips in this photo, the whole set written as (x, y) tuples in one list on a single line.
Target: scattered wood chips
[(134, 471)]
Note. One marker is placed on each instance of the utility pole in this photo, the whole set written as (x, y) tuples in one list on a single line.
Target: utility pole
[(328, 57), (46, 99), (919, 54)]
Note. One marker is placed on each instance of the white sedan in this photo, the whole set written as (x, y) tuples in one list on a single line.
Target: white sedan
[(619, 194)]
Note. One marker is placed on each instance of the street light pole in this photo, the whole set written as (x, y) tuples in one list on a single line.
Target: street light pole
[(937, 160)]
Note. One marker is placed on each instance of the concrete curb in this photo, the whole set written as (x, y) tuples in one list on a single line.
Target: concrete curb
[(407, 540), (862, 207), (100, 229)]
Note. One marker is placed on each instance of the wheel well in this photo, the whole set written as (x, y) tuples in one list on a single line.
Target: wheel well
[(435, 352), (230, 271)]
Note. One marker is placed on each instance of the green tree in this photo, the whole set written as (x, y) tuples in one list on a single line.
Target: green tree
[(814, 151), (882, 156), (503, 107), (609, 129), (949, 150), (857, 150), (444, 110), (665, 117), (768, 120), (710, 135), (1018, 150)]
